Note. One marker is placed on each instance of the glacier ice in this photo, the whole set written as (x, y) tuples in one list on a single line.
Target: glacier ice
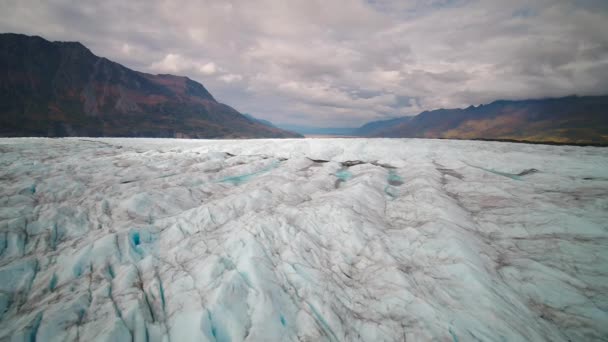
[(309, 239)]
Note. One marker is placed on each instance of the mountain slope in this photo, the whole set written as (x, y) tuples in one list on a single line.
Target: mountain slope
[(570, 119), (262, 121), (62, 89), (375, 127)]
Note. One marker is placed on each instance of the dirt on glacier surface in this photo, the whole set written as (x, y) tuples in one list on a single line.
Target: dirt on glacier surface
[(302, 240)]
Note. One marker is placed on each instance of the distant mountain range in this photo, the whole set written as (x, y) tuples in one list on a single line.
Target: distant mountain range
[(62, 89), (572, 119), (329, 131), (565, 120), (368, 129), (377, 127)]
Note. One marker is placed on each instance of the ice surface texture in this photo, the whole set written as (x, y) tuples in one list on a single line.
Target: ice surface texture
[(309, 240)]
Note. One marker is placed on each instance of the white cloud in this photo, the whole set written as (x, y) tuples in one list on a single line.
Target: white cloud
[(170, 63), (229, 78), (176, 63), (126, 49), (208, 68)]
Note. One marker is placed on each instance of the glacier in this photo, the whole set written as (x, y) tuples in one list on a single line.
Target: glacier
[(124, 239)]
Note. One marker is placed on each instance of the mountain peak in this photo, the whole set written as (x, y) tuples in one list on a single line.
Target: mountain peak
[(63, 89)]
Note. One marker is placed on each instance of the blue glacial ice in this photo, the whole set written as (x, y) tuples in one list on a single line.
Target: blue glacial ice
[(258, 240)]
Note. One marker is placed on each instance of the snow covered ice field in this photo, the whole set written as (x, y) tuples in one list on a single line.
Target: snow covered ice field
[(302, 240)]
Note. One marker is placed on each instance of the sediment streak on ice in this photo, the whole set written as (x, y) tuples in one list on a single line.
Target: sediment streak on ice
[(278, 240)]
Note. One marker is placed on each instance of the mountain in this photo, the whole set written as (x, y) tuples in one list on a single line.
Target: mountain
[(269, 124), (375, 127), (308, 130), (369, 129), (62, 89), (572, 119), (262, 121)]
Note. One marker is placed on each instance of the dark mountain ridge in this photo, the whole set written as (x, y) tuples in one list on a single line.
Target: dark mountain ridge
[(571, 119), (62, 89)]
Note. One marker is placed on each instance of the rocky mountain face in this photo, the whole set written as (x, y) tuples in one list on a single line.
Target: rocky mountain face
[(572, 119), (62, 89)]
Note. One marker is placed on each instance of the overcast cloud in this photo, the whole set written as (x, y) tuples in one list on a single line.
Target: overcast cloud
[(342, 62)]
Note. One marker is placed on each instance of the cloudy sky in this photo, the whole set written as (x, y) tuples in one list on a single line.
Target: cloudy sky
[(342, 63)]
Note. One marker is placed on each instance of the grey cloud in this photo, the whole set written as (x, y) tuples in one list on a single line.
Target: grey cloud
[(343, 62)]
